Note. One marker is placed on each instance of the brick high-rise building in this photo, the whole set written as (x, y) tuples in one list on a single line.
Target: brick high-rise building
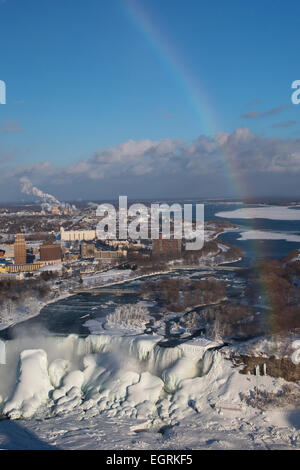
[(167, 247), (50, 253), (20, 249)]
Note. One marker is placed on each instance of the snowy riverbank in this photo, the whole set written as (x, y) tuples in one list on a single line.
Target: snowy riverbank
[(30, 308)]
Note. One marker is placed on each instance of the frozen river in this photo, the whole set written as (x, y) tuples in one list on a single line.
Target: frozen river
[(70, 315)]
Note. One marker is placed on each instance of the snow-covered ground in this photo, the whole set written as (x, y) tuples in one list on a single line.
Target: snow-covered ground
[(267, 346), (30, 307), (113, 275), (221, 430), (114, 392)]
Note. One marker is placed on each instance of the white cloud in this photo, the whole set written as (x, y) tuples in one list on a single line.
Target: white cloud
[(206, 159)]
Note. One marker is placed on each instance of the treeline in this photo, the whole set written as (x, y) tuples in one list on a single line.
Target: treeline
[(147, 263), (220, 224), (277, 283), (227, 320), (178, 295), (219, 319), (16, 291), (40, 236), (34, 224), (209, 253), (212, 250), (231, 320)]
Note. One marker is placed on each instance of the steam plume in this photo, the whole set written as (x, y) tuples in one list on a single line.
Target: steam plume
[(28, 188)]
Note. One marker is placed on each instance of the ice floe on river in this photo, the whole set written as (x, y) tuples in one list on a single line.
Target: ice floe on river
[(263, 212), (268, 235)]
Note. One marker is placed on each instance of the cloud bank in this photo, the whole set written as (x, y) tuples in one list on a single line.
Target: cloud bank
[(152, 167)]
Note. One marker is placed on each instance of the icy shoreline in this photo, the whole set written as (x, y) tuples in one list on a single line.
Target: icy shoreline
[(32, 309)]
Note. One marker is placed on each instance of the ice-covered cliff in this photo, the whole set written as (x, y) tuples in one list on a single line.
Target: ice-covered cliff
[(119, 375)]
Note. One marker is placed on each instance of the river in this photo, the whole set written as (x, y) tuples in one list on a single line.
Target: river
[(70, 315)]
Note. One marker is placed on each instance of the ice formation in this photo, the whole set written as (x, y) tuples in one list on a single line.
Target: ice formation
[(121, 376), (33, 386), (129, 316)]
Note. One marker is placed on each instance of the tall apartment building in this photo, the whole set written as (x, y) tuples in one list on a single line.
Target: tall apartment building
[(50, 253), (20, 249), (168, 247)]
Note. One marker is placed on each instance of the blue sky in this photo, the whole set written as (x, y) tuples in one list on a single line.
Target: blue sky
[(86, 75)]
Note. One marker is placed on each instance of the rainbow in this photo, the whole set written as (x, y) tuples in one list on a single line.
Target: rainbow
[(151, 29), (167, 52)]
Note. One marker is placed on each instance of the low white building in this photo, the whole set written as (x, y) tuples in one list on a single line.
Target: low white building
[(77, 235)]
